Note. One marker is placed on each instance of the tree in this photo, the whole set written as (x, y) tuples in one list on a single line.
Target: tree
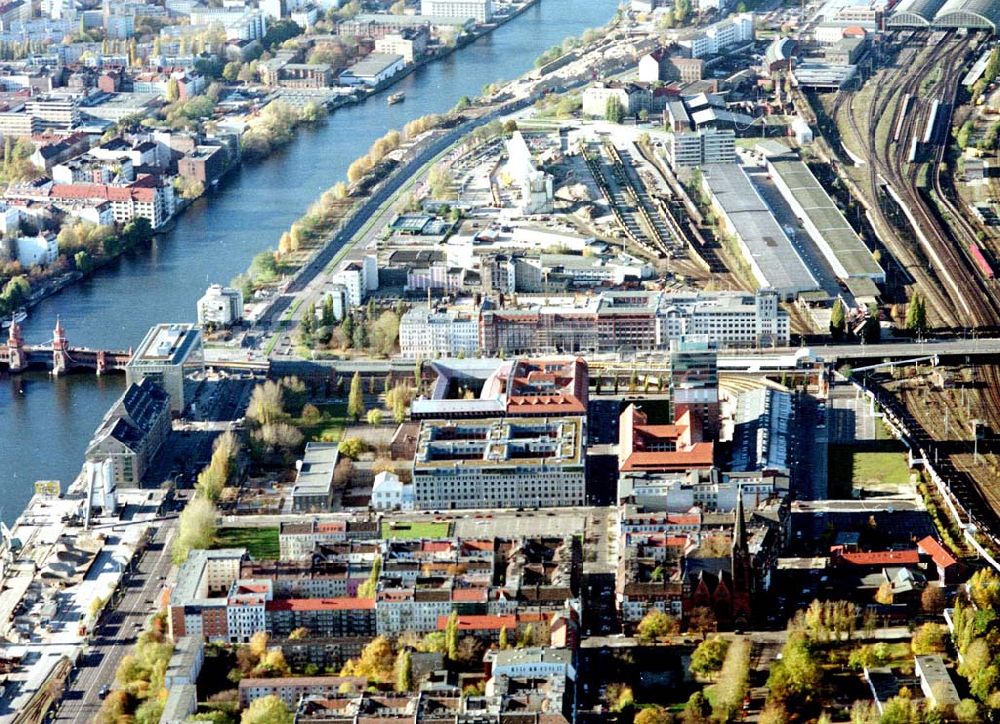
[(967, 710), (503, 640), (369, 588), (656, 625), (929, 639), (231, 72), (837, 319), (404, 671), (352, 447), (619, 697), (527, 637), (796, 676), (614, 112), (682, 11), (653, 715), (708, 657), (932, 600), (733, 679), (697, 709), (916, 313), (963, 135), (884, 594), (872, 328), (384, 332), (375, 663), (173, 90), (195, 528), (355, 399), (451, 635), (441, 182), (266, 710), (299, 634)]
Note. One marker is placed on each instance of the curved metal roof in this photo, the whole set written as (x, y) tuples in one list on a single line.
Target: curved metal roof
[(915, 12), (968, 14), (780, 51)]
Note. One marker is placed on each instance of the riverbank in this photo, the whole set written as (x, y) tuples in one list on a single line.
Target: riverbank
[(214, 240)]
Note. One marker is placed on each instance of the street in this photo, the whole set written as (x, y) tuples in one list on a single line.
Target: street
[(119, 626)]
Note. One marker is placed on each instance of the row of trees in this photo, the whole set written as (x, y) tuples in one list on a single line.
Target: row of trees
[(379, 149), (140, 693)]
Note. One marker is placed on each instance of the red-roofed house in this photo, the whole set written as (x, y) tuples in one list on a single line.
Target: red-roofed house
[(949, 569)]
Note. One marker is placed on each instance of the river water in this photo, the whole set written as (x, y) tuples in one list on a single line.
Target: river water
[(45, 424)]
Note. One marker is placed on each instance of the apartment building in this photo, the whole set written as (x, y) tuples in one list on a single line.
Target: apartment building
[(479, 10), (322, 617), (425, 334), (500, 463)]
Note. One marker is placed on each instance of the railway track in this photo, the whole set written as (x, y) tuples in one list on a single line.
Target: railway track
[(956, 287)]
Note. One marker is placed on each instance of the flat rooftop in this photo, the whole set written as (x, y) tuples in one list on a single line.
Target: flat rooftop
[(315, 476), (499, 441), (845, 247), (772, 251), (166, 344)]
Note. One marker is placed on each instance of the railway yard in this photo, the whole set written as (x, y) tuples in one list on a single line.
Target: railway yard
[(901, 123)]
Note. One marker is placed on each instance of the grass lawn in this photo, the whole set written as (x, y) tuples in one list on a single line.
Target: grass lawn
[(850, 468), (417, 529), (887, 468), (261, 543), (330, 426)]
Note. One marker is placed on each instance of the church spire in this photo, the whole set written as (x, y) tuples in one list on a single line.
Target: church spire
[(740, 531)]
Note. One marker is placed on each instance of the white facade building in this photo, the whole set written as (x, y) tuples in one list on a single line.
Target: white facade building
[(721, 35), (729, 318), (390, 493), (221, 306), (40, 250), (358, 279), (479, 10), (424, 334)]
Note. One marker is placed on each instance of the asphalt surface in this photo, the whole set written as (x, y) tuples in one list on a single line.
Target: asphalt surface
[(118, 629)]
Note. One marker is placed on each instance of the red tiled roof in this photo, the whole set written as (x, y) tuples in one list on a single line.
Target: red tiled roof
[(343, 603), (468, 594), (699, 455), (941, 555), (480, 622), (881, 558)]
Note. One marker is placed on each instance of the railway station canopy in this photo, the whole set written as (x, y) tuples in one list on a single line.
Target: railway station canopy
[(946, 14)]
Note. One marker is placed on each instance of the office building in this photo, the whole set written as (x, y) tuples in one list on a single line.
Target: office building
[(696, 148), (166, 355), (694, 384), (640, 321)]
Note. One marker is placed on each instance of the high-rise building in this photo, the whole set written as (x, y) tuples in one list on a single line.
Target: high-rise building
[(694, 383)]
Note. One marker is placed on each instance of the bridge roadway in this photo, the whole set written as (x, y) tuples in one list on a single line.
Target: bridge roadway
[(749, 360)]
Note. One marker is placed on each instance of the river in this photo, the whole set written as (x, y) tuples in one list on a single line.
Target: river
[(45, 425)]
